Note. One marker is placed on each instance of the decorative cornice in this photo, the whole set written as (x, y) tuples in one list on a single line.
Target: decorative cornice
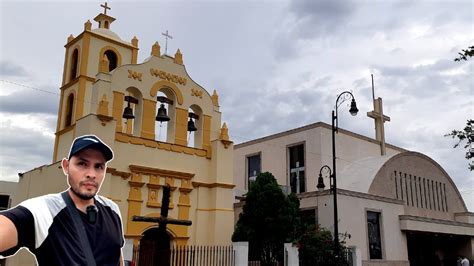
[(312, 126), (115, 172), (350, 194), (432, 220), (104, 119), (98, 36), (64, 130), (470, 214), (76, 80), (126, 138), (160, 172), (212, 185), (136, 183)]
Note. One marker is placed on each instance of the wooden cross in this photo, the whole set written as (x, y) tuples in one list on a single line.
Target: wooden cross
[(163, 221), (105, 8), (379, 118), (166, 42)]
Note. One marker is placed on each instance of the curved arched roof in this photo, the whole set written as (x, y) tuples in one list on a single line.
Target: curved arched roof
[(360, 175)]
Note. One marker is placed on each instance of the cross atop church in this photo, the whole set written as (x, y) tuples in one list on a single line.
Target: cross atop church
[(167, 36), (105, 8), (379, 119)]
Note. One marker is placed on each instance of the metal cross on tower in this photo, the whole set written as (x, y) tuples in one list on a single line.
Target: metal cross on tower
[(105, 8), (167, 36)]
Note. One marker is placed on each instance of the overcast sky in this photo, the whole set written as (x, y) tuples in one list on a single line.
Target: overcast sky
[(276, 65)]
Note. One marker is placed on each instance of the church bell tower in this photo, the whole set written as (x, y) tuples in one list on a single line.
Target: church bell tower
[(92, 51)]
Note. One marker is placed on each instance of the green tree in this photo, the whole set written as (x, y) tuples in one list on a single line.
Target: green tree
[(316, 247), (269, 219), (469, 52), (467, 134)]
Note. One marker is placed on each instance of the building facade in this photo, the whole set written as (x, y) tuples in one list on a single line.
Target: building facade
[(399, 207), (164, 129)]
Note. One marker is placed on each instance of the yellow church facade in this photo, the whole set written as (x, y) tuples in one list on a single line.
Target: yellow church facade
[(191, 152)]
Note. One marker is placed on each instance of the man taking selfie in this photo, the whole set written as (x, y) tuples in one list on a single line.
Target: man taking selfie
[(75, 227)]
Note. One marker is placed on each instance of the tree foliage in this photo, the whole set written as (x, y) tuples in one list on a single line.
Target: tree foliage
[(469, 52), (269, 219), (467, 134), (316, 247)]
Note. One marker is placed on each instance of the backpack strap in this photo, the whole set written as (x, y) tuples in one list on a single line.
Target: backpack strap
[(78, 224)]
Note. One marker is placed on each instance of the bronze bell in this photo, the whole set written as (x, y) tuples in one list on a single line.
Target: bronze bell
[(128, 113), (161, 116), (191, 126)]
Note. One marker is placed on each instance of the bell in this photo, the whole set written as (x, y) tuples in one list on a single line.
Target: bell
[(128, 113), (353, 110), (191, 126), (162, 116)]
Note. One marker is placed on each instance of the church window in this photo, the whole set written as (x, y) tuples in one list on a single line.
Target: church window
[(74, 60), (416, 190), (112, 57), (374, 235), (411, 190), (4, 202), (438, 203), (106, 24), (69, 110), (445, 199), (406, 189), (421, 194), (254, 168), (396, 185), (401, 185), (309, 217), (297, 168)]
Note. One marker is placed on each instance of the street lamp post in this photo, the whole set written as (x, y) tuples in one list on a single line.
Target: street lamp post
[(346, 95)]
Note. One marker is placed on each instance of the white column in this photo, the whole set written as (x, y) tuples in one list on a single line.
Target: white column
[(356, 256), (291, 255), (241, 250)]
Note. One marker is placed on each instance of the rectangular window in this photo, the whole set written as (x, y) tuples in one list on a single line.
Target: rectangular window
[(253, 168), (4, 202), (373, 232), (308, 218), (297, 169)]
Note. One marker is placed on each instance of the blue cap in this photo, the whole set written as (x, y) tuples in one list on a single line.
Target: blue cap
[(92, 142)]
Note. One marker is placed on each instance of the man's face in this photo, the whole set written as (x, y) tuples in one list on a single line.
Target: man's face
[(85, 171)]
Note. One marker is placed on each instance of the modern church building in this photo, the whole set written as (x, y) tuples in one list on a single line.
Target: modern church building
[(398, 206)]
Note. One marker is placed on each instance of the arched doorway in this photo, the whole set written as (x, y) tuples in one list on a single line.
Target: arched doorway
[(154, 247)]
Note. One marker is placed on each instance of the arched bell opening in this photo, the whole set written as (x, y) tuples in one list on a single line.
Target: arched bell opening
[(195, 125), (165, 120), (113, 60), (132, 113)]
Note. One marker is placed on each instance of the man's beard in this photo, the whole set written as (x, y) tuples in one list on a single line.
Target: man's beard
[(82, 196)]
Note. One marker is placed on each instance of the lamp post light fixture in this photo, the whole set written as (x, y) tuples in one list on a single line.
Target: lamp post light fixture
[(321, 185), (346, 95)]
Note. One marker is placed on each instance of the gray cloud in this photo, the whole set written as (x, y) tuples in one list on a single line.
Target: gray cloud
[(10, 69), (30, 101), (23, 149), (325, 17)]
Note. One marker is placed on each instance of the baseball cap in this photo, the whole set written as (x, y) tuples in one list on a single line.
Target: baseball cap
[(93, 142)]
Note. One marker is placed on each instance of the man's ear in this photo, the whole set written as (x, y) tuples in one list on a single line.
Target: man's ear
[(65, 166)]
